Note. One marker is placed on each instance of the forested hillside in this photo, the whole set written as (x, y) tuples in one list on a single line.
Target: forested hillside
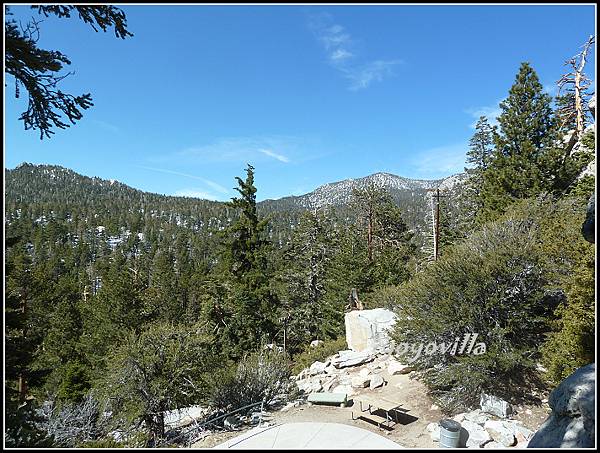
[(132, 304)]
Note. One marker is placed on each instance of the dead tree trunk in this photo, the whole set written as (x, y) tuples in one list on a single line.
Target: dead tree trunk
[(576, 83)]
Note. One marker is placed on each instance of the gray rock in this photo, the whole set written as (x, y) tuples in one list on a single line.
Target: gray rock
[(309, 385), (361, 381), (477, 416), (588, 228), (368, 329), (317, 368), (571, 423), (495, 406), (350, 358), (232, 422), (347, 389), (501, 432), (521, 433), (315, 343), (395, 367), (477, 436), (434, 431), (376, 381)]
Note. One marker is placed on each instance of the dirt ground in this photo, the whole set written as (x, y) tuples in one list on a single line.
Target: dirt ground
[(411, 432)]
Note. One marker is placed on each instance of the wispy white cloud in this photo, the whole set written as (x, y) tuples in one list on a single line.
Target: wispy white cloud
[(491, 112), (343, 55), (248, 149), (362, 76), (195, 193), (219, 188), (279, 157), (439, 162), (106, 125)]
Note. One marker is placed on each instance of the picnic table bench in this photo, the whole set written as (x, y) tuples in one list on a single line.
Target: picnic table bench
[(328, 398), (385, 405)]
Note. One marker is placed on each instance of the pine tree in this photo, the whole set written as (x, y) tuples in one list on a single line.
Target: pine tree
[(252, 302), (305, 314), (479, 157), (520, 167), (386, 234)]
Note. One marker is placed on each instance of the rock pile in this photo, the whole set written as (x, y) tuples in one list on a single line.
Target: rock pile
[(480, 430), (348, 372)]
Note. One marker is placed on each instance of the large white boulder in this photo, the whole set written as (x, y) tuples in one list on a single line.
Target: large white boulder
[(501, 432), (368, 329), (572, 422)]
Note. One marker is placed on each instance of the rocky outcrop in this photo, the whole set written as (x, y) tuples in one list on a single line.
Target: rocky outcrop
[(368, 329), (571, 424), (588, 228), (479, 430)]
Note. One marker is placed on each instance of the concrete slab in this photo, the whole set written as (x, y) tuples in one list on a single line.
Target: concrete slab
[(310, 435)]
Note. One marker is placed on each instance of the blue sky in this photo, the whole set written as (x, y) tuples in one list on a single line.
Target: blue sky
[(306, 94)]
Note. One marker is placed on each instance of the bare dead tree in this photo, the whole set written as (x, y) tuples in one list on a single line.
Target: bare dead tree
[(575, 85)]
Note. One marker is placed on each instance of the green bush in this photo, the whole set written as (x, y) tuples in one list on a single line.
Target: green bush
[(320, 353), (75, 383), (491, 284), (260, 376), (162, 368)]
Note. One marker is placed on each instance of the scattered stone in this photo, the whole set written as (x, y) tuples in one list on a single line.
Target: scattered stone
[(477, 436), (315, 343), (434, 407), (495, 406), (365, 372), (434, 431), (396, 367), (572, 421), (289, 406), (459, 417), (329, 384), (376, 381), (501, 432), (528, 411), (232, 422), (309, 385), (477, 416), (521, 433), (317, 368), (350, 358), (360, 381), (330, 369)]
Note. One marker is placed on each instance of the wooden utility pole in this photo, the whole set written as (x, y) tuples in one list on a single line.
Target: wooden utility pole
[(435, 208)]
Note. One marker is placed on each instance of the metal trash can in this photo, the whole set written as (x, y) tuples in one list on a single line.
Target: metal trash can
[(449, 433)]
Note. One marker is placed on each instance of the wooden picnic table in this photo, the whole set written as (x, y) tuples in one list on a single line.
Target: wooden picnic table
[(384, 404)]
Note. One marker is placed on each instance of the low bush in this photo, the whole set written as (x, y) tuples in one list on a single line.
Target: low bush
[(260, 376), (313, 353), (493, 285)]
